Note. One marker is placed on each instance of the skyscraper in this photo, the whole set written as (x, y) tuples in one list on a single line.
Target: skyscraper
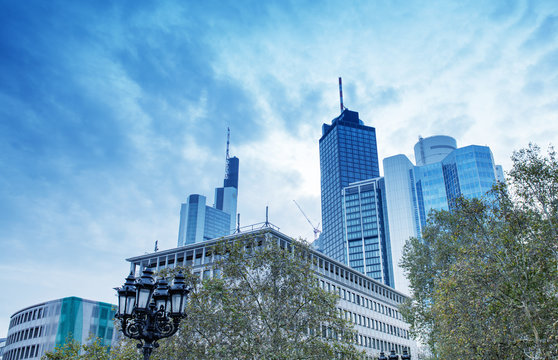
[(366, 229), (226, 196), (443, 173), (199, 222), (348, 153)]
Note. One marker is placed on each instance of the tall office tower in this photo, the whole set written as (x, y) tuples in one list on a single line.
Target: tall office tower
[(199, 222), (348, 153), (366, 229), (443, 173)]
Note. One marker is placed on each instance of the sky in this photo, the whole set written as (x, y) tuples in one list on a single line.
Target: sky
[(113, 112)]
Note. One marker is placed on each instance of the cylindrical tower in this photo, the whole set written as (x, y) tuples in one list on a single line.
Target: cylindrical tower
[(433, 149)]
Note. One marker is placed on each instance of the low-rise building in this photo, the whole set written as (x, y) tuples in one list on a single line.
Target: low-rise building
[(41, 327)]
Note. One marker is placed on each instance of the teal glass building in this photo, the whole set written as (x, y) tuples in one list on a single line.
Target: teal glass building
[(348, 154), (40, 328)]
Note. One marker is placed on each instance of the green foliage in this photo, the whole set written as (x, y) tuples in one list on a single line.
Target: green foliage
[(484, 277), (70, 350), (266, 304)]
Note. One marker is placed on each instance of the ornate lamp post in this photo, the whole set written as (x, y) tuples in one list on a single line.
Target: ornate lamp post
[(149, 310)]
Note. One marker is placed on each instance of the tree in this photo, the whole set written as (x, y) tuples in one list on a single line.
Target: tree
[(484, 277), (265, 304), (70, 350)]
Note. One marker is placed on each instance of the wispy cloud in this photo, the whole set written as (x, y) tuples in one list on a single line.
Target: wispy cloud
[(111, 114)]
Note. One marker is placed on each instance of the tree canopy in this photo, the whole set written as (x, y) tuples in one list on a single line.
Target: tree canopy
[(484, 276), (72, 349)]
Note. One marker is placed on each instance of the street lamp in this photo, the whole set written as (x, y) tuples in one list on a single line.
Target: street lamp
[(149, 310)]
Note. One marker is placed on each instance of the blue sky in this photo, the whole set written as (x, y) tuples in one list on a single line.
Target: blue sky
[(111, 113)]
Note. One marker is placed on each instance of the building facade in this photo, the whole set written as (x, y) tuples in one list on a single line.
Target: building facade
[(369, 304), (366, 229), (443, 173), (40, 328), (348, 153), (199, 222)]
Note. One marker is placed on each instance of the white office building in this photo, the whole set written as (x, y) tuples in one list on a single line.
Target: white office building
[(369, 304)]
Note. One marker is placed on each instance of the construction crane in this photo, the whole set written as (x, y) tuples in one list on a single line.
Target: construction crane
[(315, 228)]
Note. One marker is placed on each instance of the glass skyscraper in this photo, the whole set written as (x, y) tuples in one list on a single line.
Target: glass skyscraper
[(348, 153), (366, 229), (226, 196), (443, 173)]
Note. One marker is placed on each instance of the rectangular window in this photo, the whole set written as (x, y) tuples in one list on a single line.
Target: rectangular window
[(189, 258), (198, 257)]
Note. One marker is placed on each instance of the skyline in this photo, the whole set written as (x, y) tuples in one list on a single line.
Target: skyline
[(112, 114)]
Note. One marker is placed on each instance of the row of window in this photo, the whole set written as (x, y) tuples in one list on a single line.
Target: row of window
[(29, 316), (361, 300), (105, 332), (378, 344), (366, 322), (24, 352), (30, 333), (340, 273), (205, 255)]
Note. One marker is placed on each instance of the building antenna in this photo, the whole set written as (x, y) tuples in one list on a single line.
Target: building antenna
[(266, 216), (341, 94), (227, 154), (228, 141)]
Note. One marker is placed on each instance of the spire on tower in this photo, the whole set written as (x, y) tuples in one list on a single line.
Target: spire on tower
[(228, 140), (341, 93), (227, 155)]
